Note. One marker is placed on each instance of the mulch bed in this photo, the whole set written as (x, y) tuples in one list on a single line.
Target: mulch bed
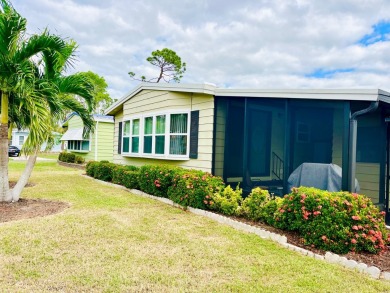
[(382, 261), (29, 208)]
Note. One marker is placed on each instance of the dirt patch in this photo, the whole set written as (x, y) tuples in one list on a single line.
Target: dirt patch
[(382, 260), (29, 208)]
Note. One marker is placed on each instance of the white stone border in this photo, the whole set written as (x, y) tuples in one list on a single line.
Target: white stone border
[(330, 257)]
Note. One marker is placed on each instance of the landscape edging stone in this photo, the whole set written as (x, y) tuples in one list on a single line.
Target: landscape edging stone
[(330, 257)]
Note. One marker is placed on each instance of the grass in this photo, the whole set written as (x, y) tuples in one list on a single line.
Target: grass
[(48, 155), (113, 241)]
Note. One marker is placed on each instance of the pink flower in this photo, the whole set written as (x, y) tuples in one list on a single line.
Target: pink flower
[(356, 218), (324, 238), (353, 241), (355, 227)]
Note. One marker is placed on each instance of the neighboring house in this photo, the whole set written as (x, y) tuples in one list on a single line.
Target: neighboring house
[(97, 146), (19, 137), (257, 137)]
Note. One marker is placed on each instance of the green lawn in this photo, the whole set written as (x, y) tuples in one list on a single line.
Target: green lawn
[(113, 241)]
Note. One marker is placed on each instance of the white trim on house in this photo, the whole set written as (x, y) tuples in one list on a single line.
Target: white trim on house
[(73, 134), (167, 135)]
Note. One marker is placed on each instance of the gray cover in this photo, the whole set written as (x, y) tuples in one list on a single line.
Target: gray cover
[(321, 176)]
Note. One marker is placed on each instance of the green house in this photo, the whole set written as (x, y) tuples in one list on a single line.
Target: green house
[(97, 146)]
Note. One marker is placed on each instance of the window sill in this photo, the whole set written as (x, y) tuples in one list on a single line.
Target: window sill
[(77, 151), (157, 157)]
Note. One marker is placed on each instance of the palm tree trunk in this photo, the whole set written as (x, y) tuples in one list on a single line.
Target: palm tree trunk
[(5, 194), (23, 179)]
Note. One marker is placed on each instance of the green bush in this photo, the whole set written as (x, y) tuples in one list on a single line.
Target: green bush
[(91, 167), (253, 205), (67, 157), (227, 200), (335, 221), (126, 176), (194, 188), (104, 171), (270, 211), (79, 160), (156, 179)]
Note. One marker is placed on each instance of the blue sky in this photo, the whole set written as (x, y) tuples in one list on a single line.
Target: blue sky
[(238, 44)]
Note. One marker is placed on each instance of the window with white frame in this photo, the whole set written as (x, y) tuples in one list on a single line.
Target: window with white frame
[(21, 140), (158, 135), (78, 145)]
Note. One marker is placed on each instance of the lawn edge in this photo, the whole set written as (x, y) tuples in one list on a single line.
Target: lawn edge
[(372, 271)]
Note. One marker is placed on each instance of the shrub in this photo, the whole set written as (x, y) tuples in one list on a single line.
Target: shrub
[(79, 160), (270, 211), (91, 167), (67, 157), (156, 179), (335, 221), (227, 200), (104, 171), (253, 205), (126, 176), (194, 188)]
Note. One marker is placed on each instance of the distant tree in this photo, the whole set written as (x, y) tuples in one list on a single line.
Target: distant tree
[(169, 64), (101, 96)]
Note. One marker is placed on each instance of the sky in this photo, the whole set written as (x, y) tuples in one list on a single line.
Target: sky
[(230, 43)]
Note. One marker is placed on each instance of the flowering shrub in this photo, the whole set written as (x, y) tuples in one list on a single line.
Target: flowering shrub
[(156, 179), (253, 205), (104, 171), (126, 176), (227, 200), (194, 188), (335, 221)]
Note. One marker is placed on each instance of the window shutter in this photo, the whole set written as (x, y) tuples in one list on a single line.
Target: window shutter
[(194, 134), (120, 138)]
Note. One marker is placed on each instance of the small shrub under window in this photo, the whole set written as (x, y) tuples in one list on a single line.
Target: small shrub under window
[(67, 157), (104, 171), (126, 176), (156, 179), (194, 188), (91, 167)]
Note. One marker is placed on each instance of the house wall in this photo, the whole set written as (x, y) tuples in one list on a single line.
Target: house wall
[(368, 174), (15, 138), (74, 123), (148, 101), (105, 136)]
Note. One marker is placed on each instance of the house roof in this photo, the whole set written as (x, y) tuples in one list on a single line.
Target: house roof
[(207, 88), (73, 134), (96, 117)]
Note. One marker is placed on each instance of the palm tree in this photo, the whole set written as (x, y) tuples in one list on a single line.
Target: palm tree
[(54, 96), (18, 69)]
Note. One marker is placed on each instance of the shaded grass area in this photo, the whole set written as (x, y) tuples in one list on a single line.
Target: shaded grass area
[(113, 241)]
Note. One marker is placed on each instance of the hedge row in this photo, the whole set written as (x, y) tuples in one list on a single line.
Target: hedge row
[(70, 158), (334, 221)]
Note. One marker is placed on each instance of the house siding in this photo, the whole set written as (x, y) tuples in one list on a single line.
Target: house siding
[(149, 102), (105, 132)]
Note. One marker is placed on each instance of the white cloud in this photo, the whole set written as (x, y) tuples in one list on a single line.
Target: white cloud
[(230, 43)]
